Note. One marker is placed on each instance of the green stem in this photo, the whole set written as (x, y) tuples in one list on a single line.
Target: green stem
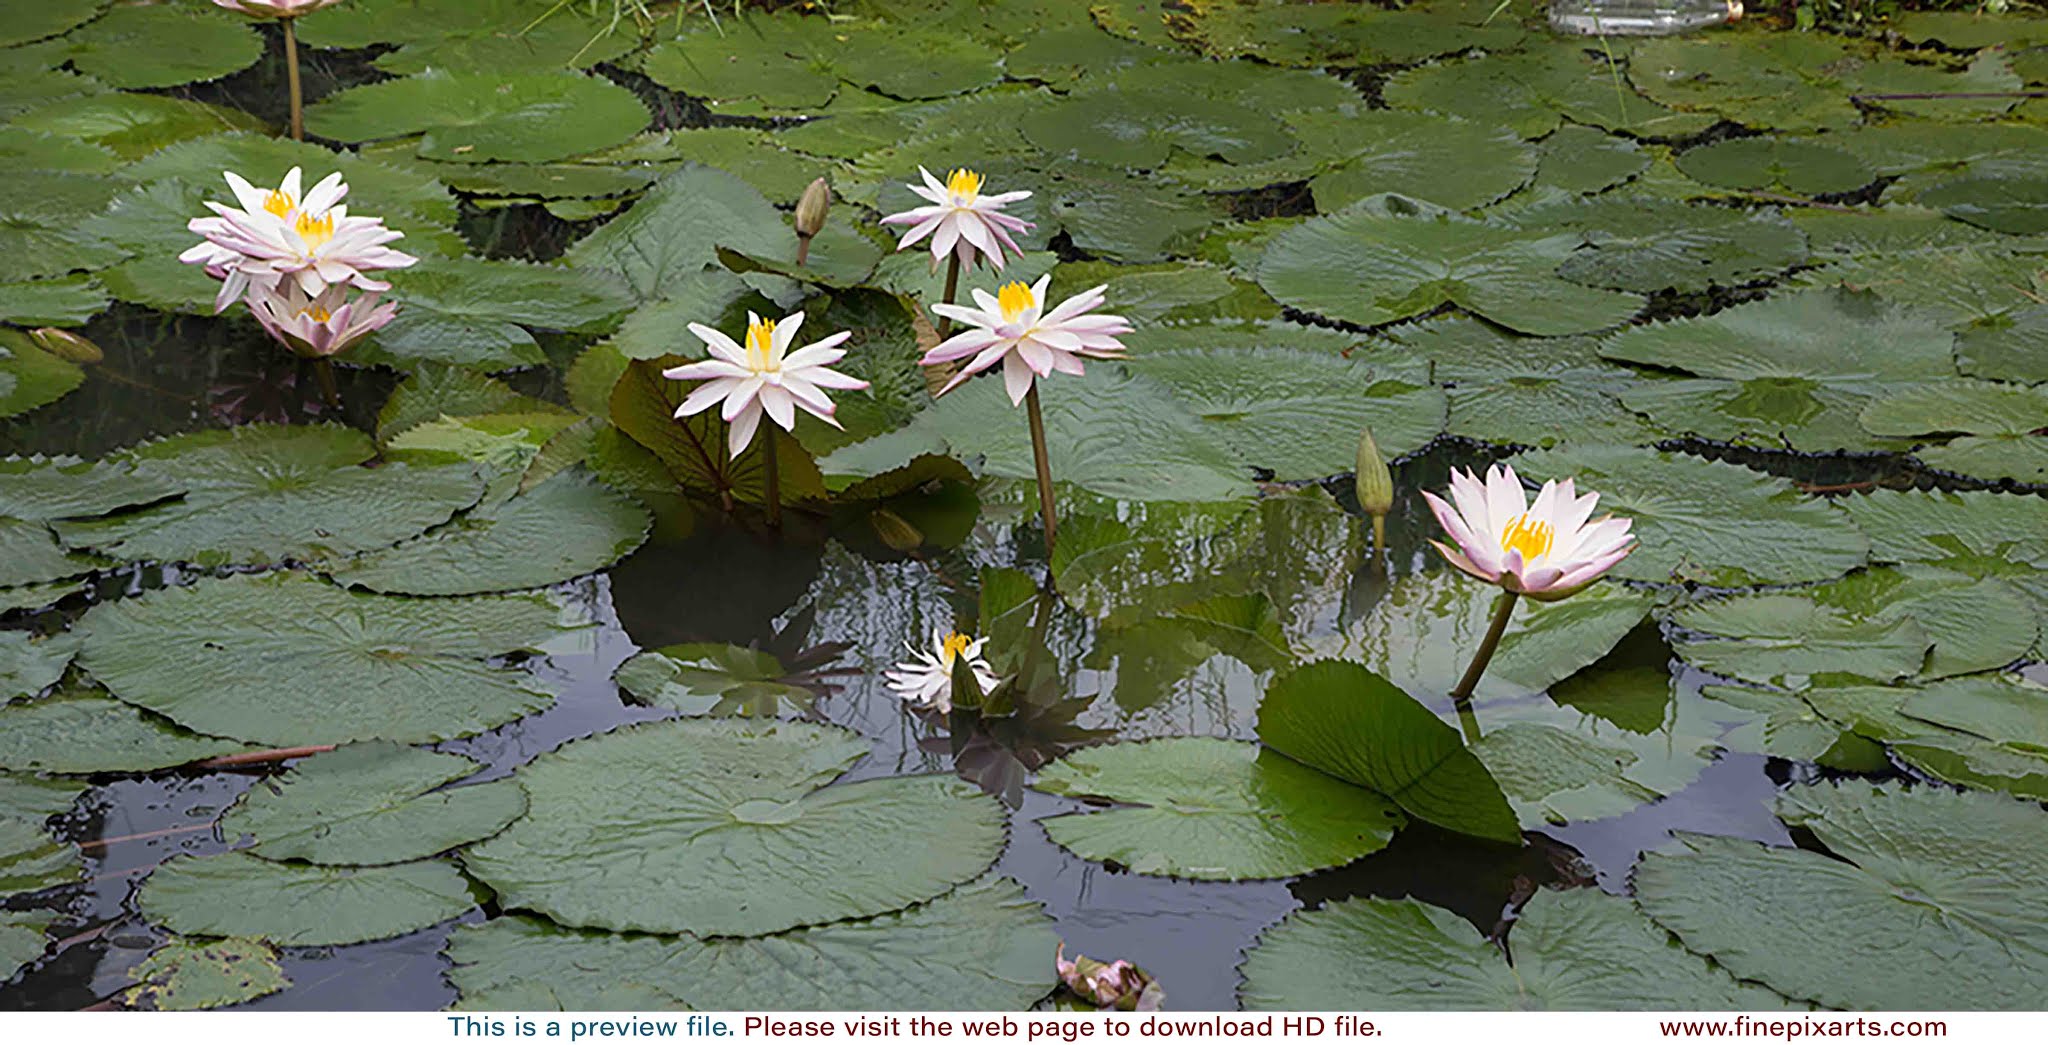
[(1038, 457), (945, 326), (1379, 536), (774, 480), (1462, 695), (291, 72), (323, 370), (803, 250)]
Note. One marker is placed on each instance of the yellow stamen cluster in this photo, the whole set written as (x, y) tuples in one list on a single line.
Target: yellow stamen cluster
[(761, 344), (279, 203), (964, 183), (319, 315), (951, 649), (1013, 299), (315, 231), (1531, 537)]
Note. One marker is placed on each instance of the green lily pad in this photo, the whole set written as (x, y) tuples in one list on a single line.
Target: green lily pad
[(371, 804), (1999, 426), (1913, 724), (30, 859), (133, 125), (1964, 284), (563, 528), (1969, 30), (185, 975), (1140, 126), (673, 233), (472, 312), (1581, 159), (1931, 898), (50, 488), (152, 45), (1321, 35), (1390, 258), (301, 905), (1506, 388), (23, 939), (265, 494), (43, 228), (718, 810), (67, 301), (1980, 533), (39, 19), (1792, 371), (2010, 347), (31, 554), (484, 116), (1537, 90), (1203, 808), (1707, 521), (744, 71), (1458, 164), (1347, 721), (432, 392), (1646, 244), (78, 730), (30, 664), (285, 660), (31, 377), (1577, 950), (2015, 205), (984, 944), (1786, 164)]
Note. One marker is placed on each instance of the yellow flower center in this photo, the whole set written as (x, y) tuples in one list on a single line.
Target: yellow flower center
[(315, 231), (951, 649), (1531, 537), (964, 183), (320, 315), (1013, 299), (761, 344), (279, 203)]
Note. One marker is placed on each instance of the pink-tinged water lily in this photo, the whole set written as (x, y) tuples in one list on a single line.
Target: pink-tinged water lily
[(1012, 326), (278, 235), (926, 680), (1546, 550), (1109, 985), (318, 327), (764, 376), (274, 8), (961, 221)]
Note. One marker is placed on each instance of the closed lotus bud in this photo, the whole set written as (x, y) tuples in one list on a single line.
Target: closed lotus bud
[(1375, 482), (810, 210), (66, 345)]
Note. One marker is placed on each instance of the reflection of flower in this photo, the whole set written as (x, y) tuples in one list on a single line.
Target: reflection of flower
[(926, 680), (274, 8), (1109, 985), (961, 221), (280, 234), (764, 376), (1546, 550), (317, 327), (1012, 326)]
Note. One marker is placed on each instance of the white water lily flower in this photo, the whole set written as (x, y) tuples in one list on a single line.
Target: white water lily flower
[(1012, 326), (926, 680), (961, 221), (278, 234), (764, 377), (274, 8), (1546, 550), (318, 327)]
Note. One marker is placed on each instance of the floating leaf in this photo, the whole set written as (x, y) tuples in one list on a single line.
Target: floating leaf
[(1646, 244), (472, 312), (1980, 533), (479, 117), (1576, 950), (39, 19), (149, 45), (1199, 807), (1859, 929), (371, 804), (31, 554), (983, 944), (1767, 162), (133, 125), (1707, 521), (1538, 89), (694, 449), (270, 493), (1581, 159), (2001, 426), (1389, 258), (64, 302), (285, 659), (23, 939), (1506, 388), (300, 905), (1458, 164), (84, 731), (185, 975), (2015, 205), (674, 232), (48, 488), (30, 859), (715, 810), (432, 392), (1348, 722)]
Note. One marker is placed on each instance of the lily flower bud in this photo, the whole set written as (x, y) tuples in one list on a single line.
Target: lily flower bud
[(1375, 481), (811, 208)]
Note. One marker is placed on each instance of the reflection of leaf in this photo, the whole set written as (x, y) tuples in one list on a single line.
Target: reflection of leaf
[(706, 678)]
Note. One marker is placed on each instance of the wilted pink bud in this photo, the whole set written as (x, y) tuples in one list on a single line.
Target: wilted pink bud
[(1109, 985)]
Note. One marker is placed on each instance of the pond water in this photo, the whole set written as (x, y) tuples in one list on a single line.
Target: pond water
[(1798, 340)]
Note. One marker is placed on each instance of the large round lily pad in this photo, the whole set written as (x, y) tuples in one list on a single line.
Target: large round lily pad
[(722, 827), (984, 945), (285, 659), (1576, 950), (478, 117), (371, 804), (1932, 899), (1199, 807), (80, 731), (301, 905)]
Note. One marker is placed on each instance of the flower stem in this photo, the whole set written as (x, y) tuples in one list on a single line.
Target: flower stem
[(323, 370), (952, 287), (291, 73), (1038, 457), (1379, 536), (773, 480), (803, 250), (1462, 695)]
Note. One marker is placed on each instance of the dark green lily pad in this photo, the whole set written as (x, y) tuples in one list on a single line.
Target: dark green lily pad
[(29, 20), (185, 975), (673, 233), (473, 312), (300, 905), (1785, 164), (1198, 807), (1932, 898), (30, 859), (371, 804), (49, 488), (1647, 244), (715, 810), (67, 301), (479, 117), (1537, 90), (23, 938), (2000, 426), (31, 554), (133, 125), (30, 664), (153, 45), (285, 659), (1506, 388), (1453, 163), (79, 730), (1981, 533)]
